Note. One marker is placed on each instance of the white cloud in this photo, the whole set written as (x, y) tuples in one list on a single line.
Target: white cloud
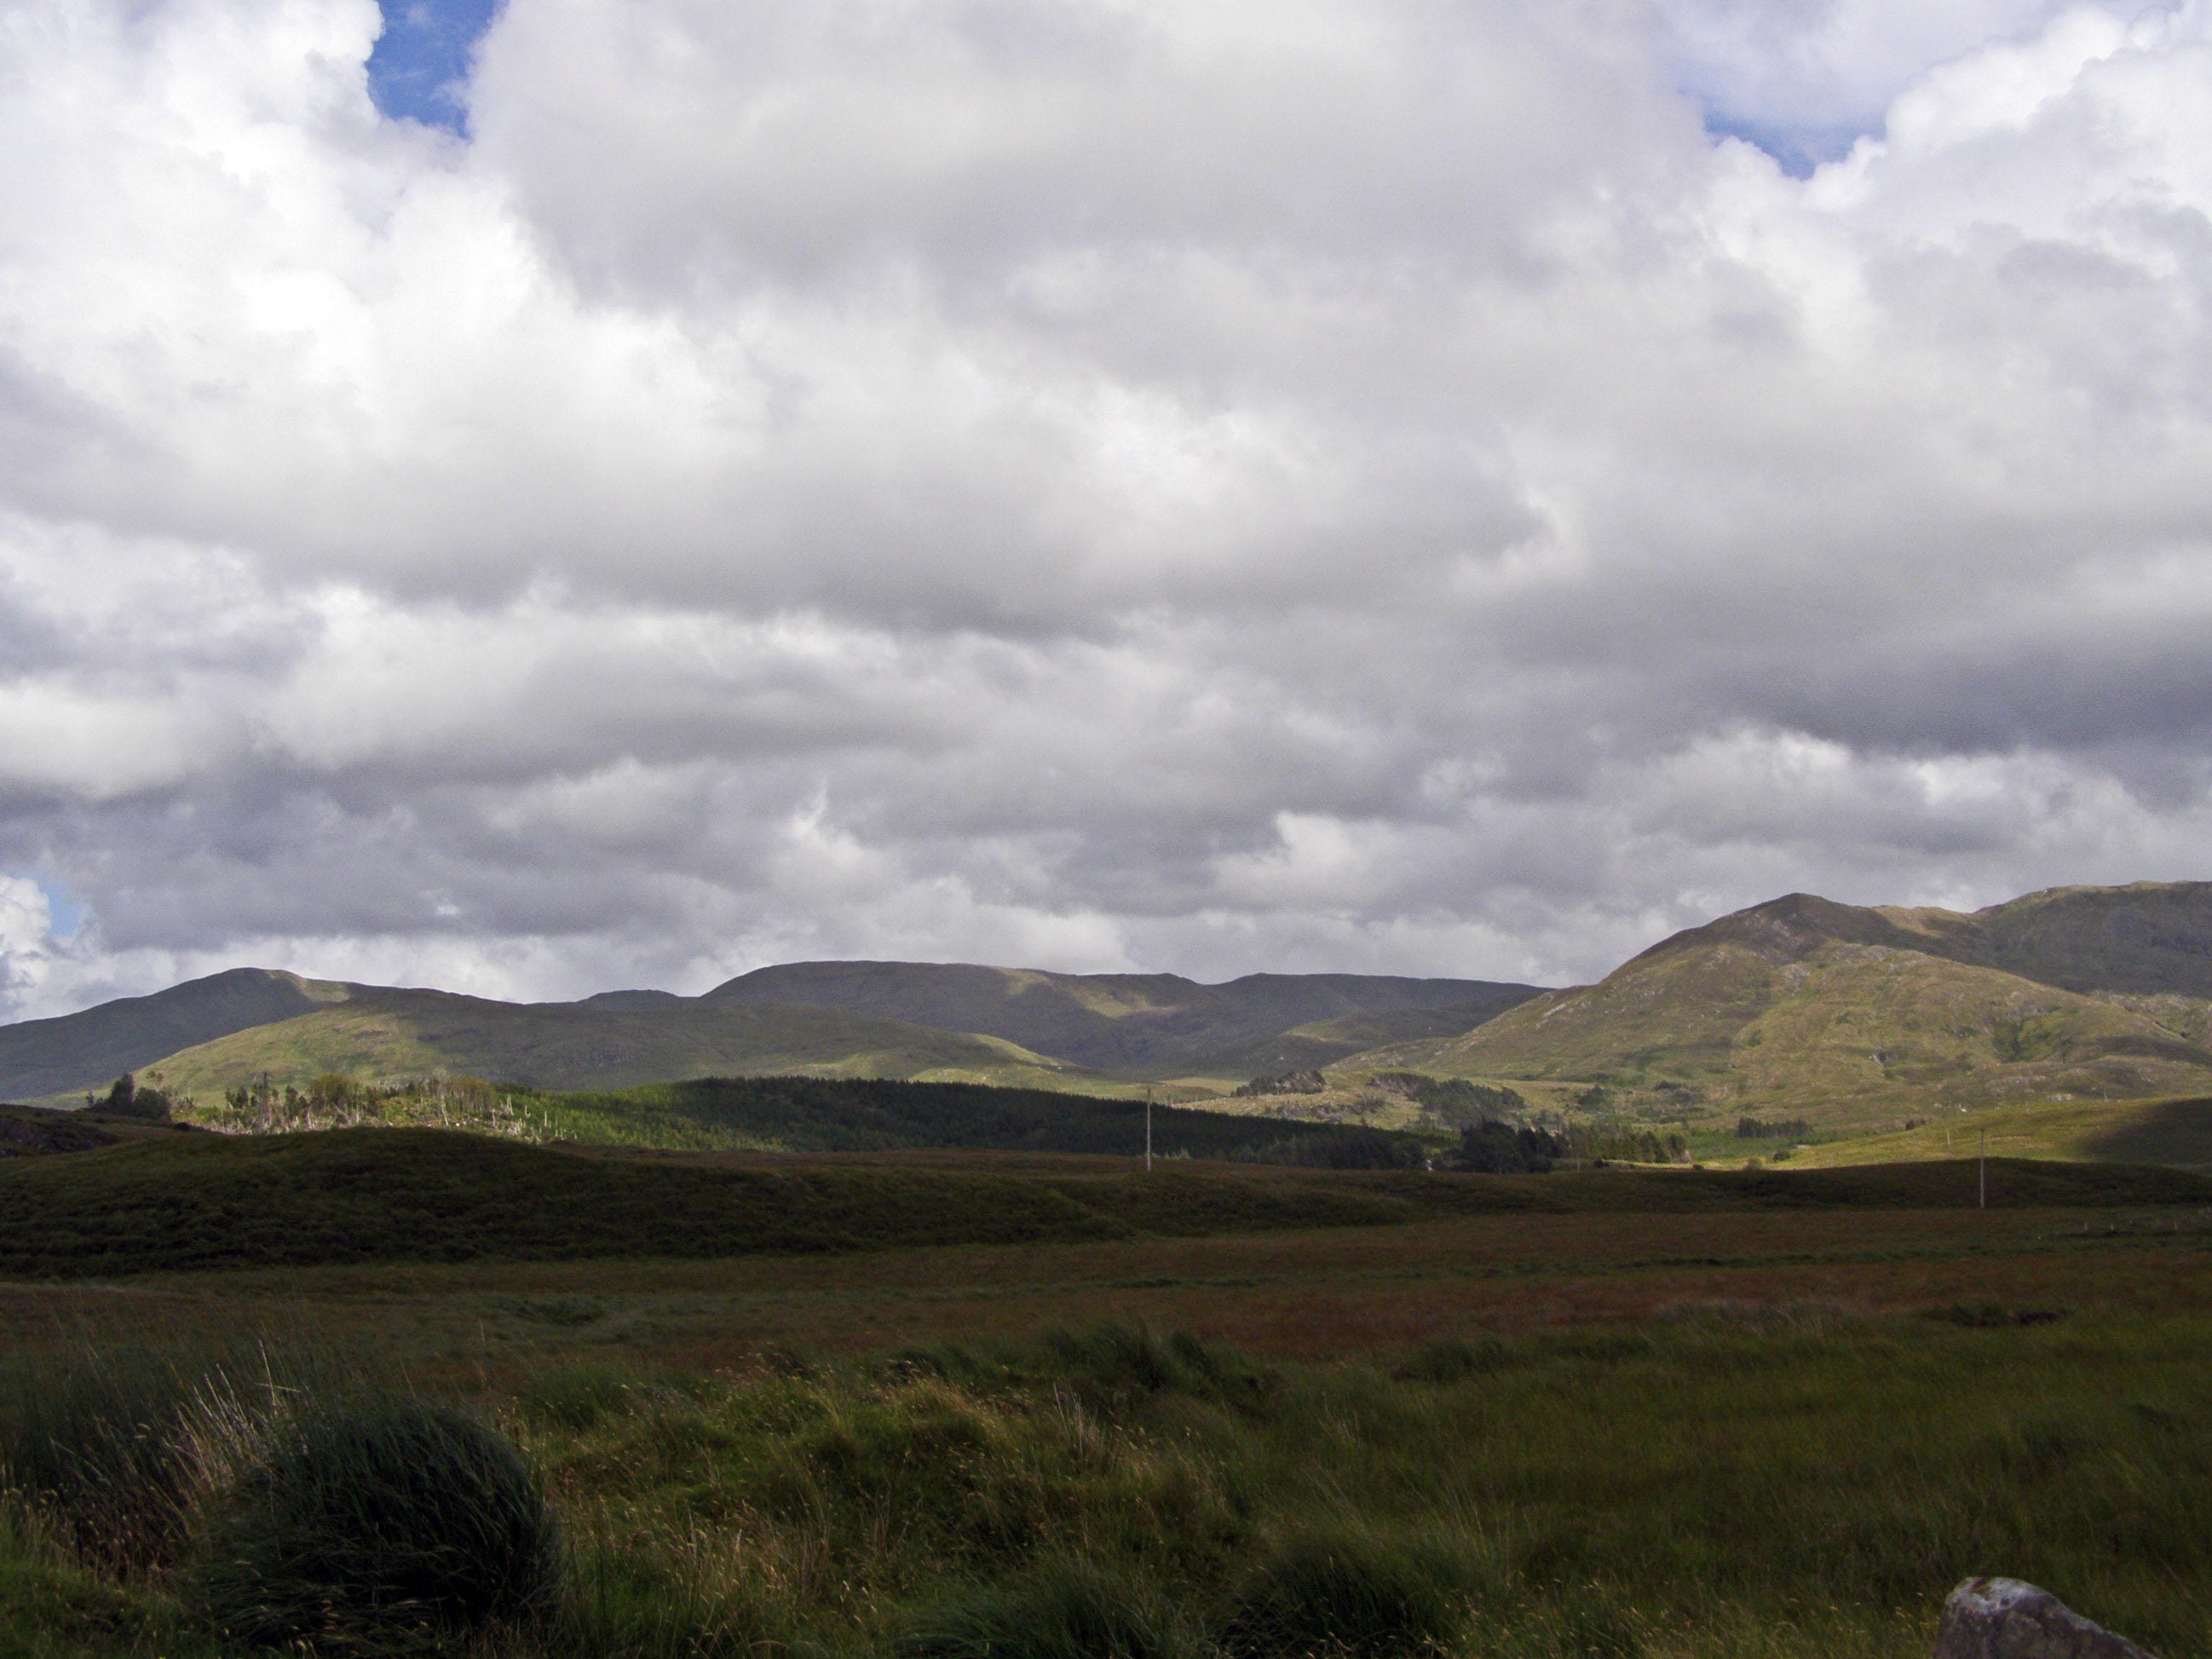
[(1202, 486)]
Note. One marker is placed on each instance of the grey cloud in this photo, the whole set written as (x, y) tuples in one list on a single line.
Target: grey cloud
[(1191, 486)]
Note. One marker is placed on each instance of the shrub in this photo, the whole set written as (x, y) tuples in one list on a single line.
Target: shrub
[(1454, 1099), (371, 1523), (1063, 1610), (1491, 1147), (1307, 1082), (1340, 1148), (1350, 1594), (128, 1097)]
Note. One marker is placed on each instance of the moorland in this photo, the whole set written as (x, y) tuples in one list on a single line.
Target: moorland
[(767, 1323), (978, 1404)]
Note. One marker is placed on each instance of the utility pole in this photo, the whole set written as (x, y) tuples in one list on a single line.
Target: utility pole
[(1985, 1166), (1148, 1128)]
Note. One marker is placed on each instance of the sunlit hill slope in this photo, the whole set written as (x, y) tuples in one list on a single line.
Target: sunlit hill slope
[(395, 1034), (1846, 1016)]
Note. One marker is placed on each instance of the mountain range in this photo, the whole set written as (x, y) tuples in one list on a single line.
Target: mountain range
[(943, 1022), (1841, 1016)]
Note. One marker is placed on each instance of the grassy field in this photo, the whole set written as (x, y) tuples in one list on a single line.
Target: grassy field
[(192, 1200), (1225, 1412), (2175, 1132)]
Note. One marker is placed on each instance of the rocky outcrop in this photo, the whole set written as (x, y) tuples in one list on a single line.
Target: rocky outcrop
[(2005, 1619)]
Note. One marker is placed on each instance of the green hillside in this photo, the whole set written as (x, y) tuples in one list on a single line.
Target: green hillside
[(400, 1034), (1856, 1018), (779, 1114), (866, 1019), (1140, 1025), (74, 1052), (2174, 1132), (1324, 1042)]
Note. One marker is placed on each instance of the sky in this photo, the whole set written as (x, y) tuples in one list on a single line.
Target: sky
[(619, 492)]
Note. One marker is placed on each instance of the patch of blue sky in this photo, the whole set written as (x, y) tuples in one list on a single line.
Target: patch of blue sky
[(65, 912), (1797, 150), (419, 70)]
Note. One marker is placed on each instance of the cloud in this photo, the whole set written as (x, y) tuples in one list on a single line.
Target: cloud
[(1193, 486)]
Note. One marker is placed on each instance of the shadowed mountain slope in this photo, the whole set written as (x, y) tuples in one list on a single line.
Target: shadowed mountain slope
[(1846, 1015), (949, 1021), (1155, 1025), (2144, 939), (82, 1051)]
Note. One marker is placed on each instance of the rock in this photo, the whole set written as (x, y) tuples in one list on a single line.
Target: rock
[(2005, 1619)]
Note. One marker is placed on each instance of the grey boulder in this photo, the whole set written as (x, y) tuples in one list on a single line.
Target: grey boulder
[(2005, 1618)]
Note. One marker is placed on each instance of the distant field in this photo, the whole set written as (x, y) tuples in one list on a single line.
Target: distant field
[(198, 1200), (2174, 1132), (1315, 1293)]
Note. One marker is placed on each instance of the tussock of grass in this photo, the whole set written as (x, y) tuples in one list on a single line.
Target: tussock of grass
[(384, 1523), (1349, 1594)]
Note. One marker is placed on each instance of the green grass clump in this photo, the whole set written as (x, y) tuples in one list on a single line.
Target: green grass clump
[(1351, 1595), (386, 1521), (656, 1595), (1064, 1609)]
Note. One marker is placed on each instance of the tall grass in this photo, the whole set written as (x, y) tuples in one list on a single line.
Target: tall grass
[(1728, 1483), (1352, 1593), (1761, 1486), (112, 1451), (375, 1524), (1064, 1609)]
